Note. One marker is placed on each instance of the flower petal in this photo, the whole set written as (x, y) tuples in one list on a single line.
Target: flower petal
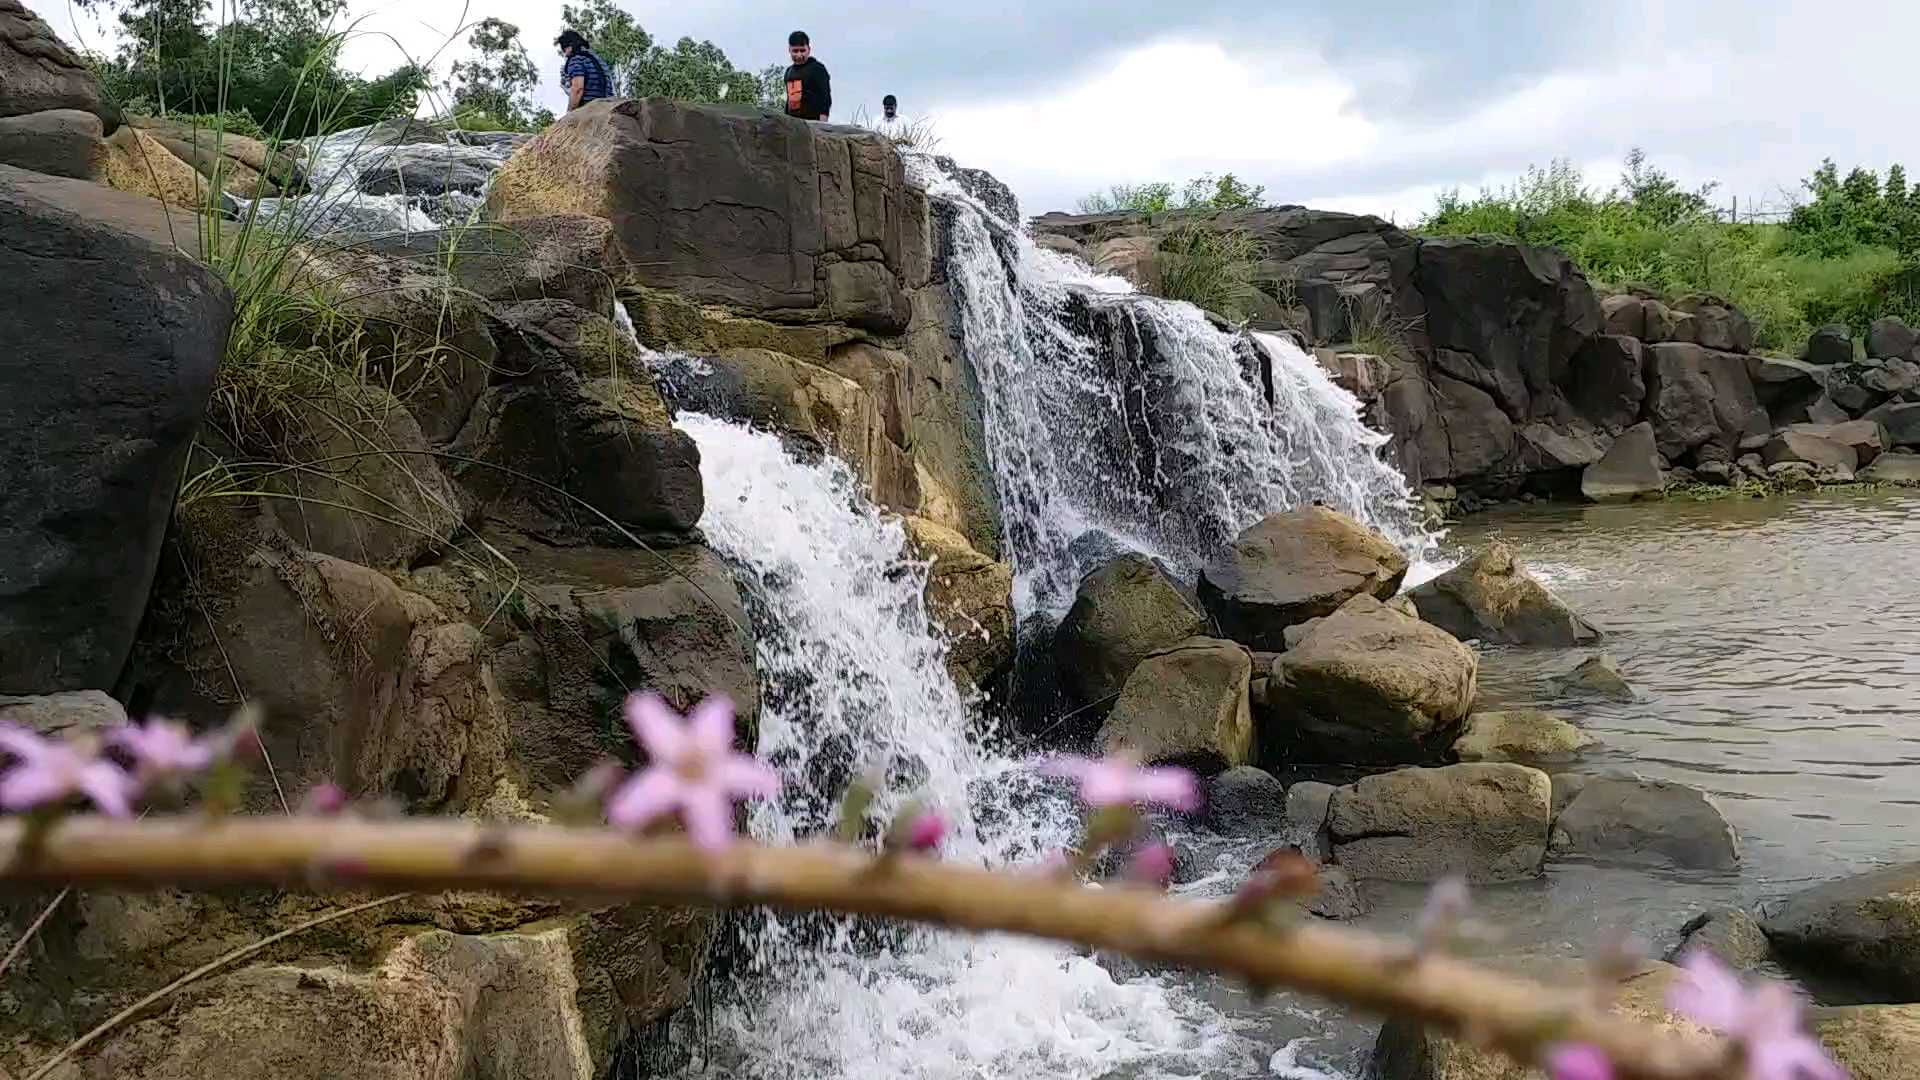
[(1709, 994), (644, 797), (711, 725), (1578, 1061), (743, 777), (1071, 766), (25, 787), (108, 786), (1797, 1057), (1107, 784), (24, 744), (1175, 788), (708, 816), (662, 734)]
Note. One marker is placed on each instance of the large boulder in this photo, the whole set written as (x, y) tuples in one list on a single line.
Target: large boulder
[(423, 170), (1519, 735), (1369, 684), (1517, 313), (138, 164), (970, 597), (1486, 822), (1698, 396), (1294, 566), (1630, 469), (1866, 438), (1246, 801), (39, 72), (745, 208), (1830, 344), (58, 142), (1122, 611), (573, 440), (1901, 419), (96, 440), (1890, 338), (1865, 927), (1186, 704), (563, 257), (1811, 449), (1492, 597), (1618, 819), (1900, 469), (1871, 1042), (1718, 324), (1607, 383)]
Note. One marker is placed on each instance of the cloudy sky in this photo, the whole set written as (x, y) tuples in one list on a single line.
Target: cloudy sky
[(1372, 106)]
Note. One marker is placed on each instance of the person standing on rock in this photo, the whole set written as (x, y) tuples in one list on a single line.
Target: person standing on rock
[(809, 90), (584, 76)]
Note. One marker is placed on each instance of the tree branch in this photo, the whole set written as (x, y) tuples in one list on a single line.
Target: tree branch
[(1380, 975)]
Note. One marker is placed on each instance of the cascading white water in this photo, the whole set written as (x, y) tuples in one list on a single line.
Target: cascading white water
[(1108, 412), (336, 165), (856, 678)]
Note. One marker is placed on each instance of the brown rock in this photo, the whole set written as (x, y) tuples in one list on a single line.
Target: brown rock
[(138, 164), (971, 598), (39, 72), (1295, 566), (1123, 611), (1871, 1042), (1492, 597), (1485, 822), (58, 142), (1185, 704)]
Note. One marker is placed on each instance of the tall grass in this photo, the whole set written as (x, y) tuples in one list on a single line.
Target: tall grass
[(1212, 269)]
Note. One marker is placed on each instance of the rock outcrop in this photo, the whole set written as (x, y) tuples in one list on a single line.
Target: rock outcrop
[(1629, 470), (1646, 820), (96, 442), (1185, 704), (1368, 684), (1124, 610), (1487, 823), (1493, 598), (58, 142), (1294, 566), (970, 598), (39, 73), (1865, 927)]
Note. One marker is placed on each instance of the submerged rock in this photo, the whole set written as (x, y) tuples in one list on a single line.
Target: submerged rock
[(1186, 704), (1492, 597), (1646, 820), (1294, 566), (1369, 684), (1629, 470), (970, 597), (1599, 675), (1865, 927), (1123, 611), (1485, 822), (1524, 734)]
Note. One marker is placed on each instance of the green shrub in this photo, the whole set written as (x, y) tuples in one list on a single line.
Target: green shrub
[(1212, 269)]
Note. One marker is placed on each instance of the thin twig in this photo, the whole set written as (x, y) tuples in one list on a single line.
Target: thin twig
[(196, 975), (1382, 975), (21, 945)]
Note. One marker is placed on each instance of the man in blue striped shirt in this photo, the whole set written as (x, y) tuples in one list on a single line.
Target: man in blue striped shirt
[(584, 76)]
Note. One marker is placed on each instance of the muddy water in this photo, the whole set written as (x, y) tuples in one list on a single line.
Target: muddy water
[(1776, 648)]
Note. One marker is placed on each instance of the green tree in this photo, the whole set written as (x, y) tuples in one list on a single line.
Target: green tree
[(496, 82), (1203, 192), (691, 70), (617, 39)]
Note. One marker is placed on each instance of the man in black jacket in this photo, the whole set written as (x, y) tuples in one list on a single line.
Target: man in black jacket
[(809, 91)]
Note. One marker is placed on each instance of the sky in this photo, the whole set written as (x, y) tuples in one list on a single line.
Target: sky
[(1373, 106)]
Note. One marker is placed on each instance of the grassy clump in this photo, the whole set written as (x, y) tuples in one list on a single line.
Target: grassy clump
[(1849, 253), (1212, 269)]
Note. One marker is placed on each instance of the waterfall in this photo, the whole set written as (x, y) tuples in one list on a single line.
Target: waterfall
[(855, 682), (1116, 420)]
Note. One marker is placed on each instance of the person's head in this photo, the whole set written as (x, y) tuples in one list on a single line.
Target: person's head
[(570, 42), (890, 105), (799, 46)]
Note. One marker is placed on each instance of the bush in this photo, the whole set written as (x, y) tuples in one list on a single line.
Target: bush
[(1212, 269)]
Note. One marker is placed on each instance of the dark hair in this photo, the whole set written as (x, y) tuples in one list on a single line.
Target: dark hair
[(572, 39), (889, 100), (798, 37)]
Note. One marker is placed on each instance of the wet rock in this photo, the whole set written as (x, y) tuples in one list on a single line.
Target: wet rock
[(1185, 704), (58, 142), (1812, 449), (1728, 933), (1245, 801), (1871, 1042), (96, 441), (1599, 675), (1795, 475), (1523, 734), (1487, 822), (1630, 469), (1889, 337), (1339, 896), (1123, 611), (971, 598), (1901, 419), (1309, 803), (1407, 1050), (561, 257), (1369, 684), (426, 170), (1901, 469), (1492, 597), (1830, 344), (1646, 820), (1717, 473), (1865, 927), (1294, 566)]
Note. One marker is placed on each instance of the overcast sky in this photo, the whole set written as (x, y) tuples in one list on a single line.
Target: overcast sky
[(1372, 106)]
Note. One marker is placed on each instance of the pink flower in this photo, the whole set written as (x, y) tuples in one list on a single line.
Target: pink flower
[(926, 831), (1120, 781), (1764, 1020), (324, 800), (1447, 904), (163, 747), (47, 772), (692, 767), (1578, 1061), (1152, 865)]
